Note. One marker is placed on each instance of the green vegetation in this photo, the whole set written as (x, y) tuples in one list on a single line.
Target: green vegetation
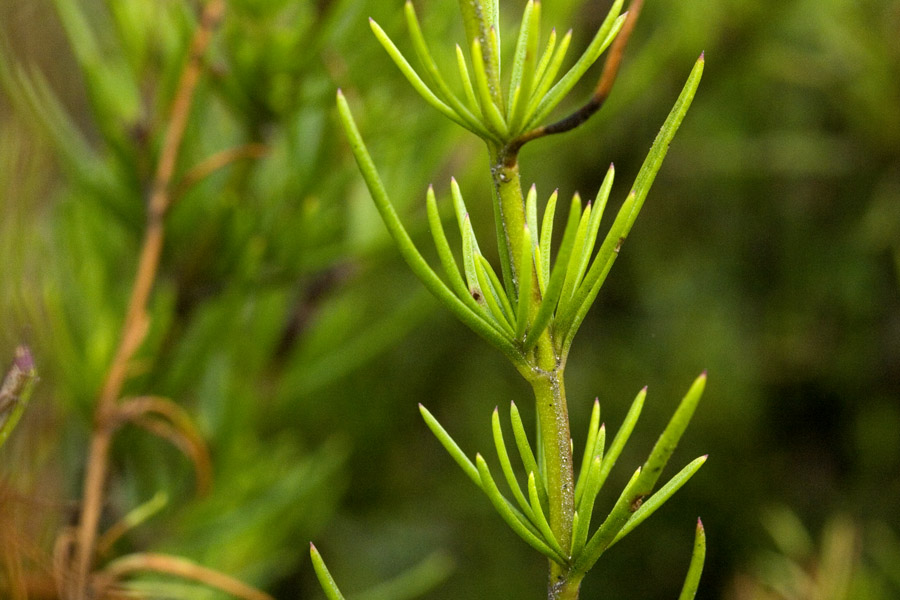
[(272, 396)]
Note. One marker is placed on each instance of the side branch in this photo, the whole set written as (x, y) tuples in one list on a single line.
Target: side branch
[(136, 323)]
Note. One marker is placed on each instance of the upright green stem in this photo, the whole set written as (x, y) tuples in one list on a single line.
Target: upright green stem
[(545, 374)]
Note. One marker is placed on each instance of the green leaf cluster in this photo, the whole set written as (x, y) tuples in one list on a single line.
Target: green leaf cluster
[(527, 516)]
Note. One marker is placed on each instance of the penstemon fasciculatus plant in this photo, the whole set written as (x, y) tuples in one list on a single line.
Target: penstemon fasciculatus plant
[(533, 308)]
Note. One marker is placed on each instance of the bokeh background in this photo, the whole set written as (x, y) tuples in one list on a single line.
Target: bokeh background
[(768, 253)]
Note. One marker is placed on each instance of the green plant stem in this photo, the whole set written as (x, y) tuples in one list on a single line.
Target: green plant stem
[(545, 374), (553, 415), (509, 214)]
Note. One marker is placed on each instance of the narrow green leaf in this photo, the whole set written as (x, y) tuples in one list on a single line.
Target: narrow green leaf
[(448, 262), (497, 288), (531, 210), (406, 247), (547, 238), (489, 110), (585, 507), (641, 486), (514, 518), (469, 249), (590, 442), (557, 276), (546, 81), (542, 64), (593, 482), (469, 242), (576, 258), (325, 579), (526, 277), (670, 437), (451, 446), (599, 542), (525, 30), (650, 506), (524, 88), (582, 255), (603, 38), (434, 73), (576, 520), (515, 95), (692, 581), (538, 260), (496, 92), (474, 105), (525, 451), (620, 229), (414, 78), (618, 443), (489, 295), (506, 466), (540, 518)]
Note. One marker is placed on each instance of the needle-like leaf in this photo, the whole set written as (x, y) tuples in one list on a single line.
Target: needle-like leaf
[(506, 465), (434, 73), (692, 581), (540, 519), (547, 238), (570, 320), (523, 528), (557, 276), (526, 30), (489, 109), (546, 81), (325, 579), (525, 451), (603, 38), (420, 86), (491, 297), (650, 505), (450, 445), (405, 244), (466, 80), (590, 441), (526, 278), (448, 262), (614, 521), (585, 508), (581, 256), (618, 443)]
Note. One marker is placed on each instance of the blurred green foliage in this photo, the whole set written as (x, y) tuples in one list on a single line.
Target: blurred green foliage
[(769, 253)]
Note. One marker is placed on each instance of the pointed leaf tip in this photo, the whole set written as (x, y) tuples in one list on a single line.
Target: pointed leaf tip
[(700, 524)]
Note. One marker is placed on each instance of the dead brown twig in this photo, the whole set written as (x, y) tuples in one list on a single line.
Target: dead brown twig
[(179, 567), (136, 321)]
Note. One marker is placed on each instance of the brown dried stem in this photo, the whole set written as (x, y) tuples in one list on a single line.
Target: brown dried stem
[(217, 161), (136, 321), (601, 92), (180, 567)]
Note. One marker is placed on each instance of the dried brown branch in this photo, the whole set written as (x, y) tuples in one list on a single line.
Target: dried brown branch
[(136, 320), (175, 426), (601, 91), (179, 567), (217, 161)]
